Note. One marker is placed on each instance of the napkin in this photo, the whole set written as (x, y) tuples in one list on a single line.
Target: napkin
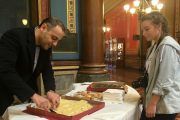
[(114, 95)]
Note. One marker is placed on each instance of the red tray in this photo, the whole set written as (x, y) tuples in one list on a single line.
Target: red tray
[(103, 86), (54, 116), (90, 88)]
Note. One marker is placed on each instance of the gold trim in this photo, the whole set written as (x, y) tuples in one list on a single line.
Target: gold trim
[(65, 67), (65, 52), (71, 15)]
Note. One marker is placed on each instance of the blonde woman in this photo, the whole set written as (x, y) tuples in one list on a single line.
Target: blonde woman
[(162, 94)]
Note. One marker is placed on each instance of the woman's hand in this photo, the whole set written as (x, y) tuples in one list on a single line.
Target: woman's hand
[(151, 108)]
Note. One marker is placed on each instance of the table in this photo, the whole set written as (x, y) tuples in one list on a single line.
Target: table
[(128, 110)]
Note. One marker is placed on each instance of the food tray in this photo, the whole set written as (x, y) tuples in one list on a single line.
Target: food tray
[(54, 116), (103, 86)]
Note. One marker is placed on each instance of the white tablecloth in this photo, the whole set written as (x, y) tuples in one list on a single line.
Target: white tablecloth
[(128, 110)]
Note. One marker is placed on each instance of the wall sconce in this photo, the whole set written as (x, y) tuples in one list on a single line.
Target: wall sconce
[(106, 29), (24, 22)]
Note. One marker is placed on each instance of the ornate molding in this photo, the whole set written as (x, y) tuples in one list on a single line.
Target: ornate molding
[(71, 15)]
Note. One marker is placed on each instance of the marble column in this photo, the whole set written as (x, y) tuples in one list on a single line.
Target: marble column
[(92, 66)]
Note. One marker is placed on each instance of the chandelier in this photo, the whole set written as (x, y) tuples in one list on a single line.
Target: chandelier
[(143, 6)]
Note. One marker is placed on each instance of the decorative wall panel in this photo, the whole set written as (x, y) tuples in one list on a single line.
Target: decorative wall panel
[(71, 15)]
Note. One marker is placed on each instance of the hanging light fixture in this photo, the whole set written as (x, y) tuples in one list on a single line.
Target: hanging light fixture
[(126, 7), (143, 6)]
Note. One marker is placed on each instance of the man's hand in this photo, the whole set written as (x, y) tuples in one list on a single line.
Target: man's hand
[(41, 102), (54, 98)]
